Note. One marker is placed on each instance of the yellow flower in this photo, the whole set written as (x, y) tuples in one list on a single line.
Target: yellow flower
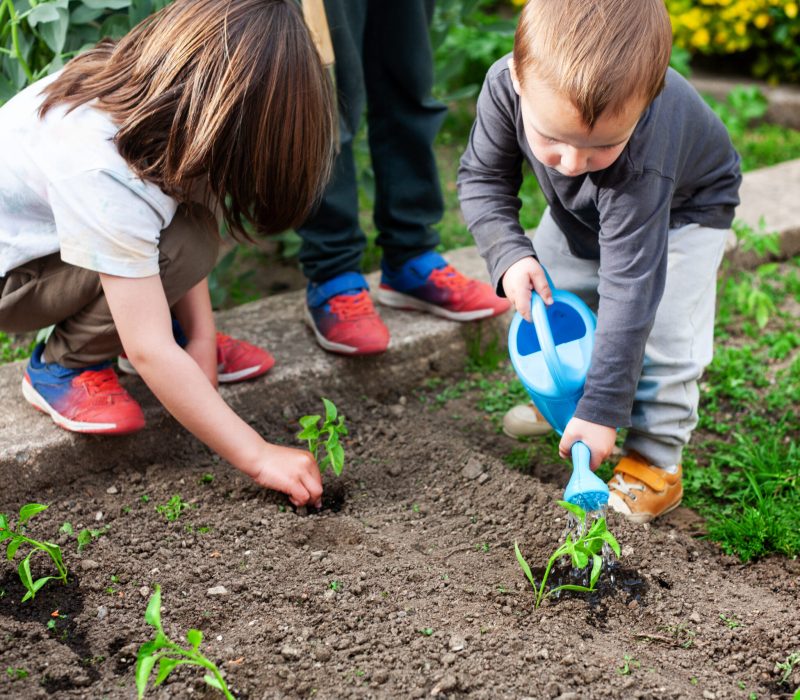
[(701, 38), (761, 20), (791, 10)]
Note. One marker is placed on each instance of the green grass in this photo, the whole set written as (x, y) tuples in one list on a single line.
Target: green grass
[(744, 477)]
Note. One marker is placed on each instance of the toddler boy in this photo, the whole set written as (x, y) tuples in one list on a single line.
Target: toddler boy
[(641, 180)]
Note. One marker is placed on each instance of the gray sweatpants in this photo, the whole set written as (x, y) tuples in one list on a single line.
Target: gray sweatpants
[(680, 345)]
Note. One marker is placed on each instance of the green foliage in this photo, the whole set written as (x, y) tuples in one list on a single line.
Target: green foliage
[(483, 354), (467, 40), (12, 350), (325, 438), (89, 535), (628, 665), (786, 667), (750, 476), (169, 655), (15, 538), (581, 551), (16, 674), (228, 285), (173, 508), (38, 37)]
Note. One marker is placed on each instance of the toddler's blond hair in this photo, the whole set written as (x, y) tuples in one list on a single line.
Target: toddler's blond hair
[(597, 53)]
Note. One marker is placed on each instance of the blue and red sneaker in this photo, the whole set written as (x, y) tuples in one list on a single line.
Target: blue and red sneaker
[(429, 283), (85, 400), (237, 360), (341, 314)]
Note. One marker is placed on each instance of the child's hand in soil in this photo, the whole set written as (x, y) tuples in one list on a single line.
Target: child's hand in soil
[(600, 440), (519, 279), (293, 472)]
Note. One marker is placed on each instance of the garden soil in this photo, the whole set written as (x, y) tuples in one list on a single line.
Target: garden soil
[(404, 586)]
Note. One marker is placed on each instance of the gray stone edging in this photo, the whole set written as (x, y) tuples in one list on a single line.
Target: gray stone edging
[(34, 454)]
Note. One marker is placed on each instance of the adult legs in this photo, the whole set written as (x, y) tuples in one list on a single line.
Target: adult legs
[(403, 120), (333, 241)]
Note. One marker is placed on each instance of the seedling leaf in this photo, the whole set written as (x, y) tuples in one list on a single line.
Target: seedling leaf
[(612, 541), (213, 682), (152, 615), (144, 667), (165, 667), (12, 548), (24, 570), (28, 511), (577, 511), (194, 637), (597, 566), (3, 522), (330, 410), (524, 565)]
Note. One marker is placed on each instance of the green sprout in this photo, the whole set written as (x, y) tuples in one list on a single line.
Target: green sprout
[(327, 436), (169, 655), (16, 674), (586, 548), (89, 535), (16, 539), (786, 667), (173, 508), (628, 664)]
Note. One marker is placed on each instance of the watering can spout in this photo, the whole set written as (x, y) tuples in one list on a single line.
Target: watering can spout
[(585, 488)]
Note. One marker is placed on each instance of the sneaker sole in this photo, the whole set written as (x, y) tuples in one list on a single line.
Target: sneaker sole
[(339, 348), (35, 399), (124, 365), (396, 300)]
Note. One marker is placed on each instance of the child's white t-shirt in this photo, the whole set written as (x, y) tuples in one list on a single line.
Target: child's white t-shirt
[(64, 187)]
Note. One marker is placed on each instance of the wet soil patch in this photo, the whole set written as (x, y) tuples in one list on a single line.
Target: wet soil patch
[(410, 589)]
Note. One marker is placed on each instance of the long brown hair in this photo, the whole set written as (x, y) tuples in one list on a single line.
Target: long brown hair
[(230, 94), (597, 53)]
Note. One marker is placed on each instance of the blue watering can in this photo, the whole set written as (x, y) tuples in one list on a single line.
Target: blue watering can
[(551, 357)]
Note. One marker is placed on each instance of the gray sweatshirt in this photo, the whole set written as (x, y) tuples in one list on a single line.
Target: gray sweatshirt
[(679, 167)]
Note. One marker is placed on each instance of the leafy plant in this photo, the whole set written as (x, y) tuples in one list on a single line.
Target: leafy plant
[(787, 666), (169, 655), (173, 508), (628, 664), (89, 535), (38, 36), (325, 437), (16, 674), (586, 548), (16, 539)]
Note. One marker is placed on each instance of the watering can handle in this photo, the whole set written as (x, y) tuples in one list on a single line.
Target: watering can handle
[(545, 335)]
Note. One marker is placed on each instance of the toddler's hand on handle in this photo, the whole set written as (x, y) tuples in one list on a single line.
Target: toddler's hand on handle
[(600, 440), (518, 281), (293, 472)]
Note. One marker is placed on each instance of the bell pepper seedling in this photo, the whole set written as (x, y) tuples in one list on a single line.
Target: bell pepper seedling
[(169, 655), (587, 547), (16, 539), (325, 438)]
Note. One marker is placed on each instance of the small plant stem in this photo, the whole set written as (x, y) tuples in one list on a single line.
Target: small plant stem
[(14, 21), (540, 594)]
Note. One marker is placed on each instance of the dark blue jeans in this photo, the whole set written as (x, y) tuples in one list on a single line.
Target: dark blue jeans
[(383, 58)]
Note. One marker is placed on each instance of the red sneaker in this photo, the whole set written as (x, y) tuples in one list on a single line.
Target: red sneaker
[(237, 360), (429, 283), (343, 318), (87, 400)]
